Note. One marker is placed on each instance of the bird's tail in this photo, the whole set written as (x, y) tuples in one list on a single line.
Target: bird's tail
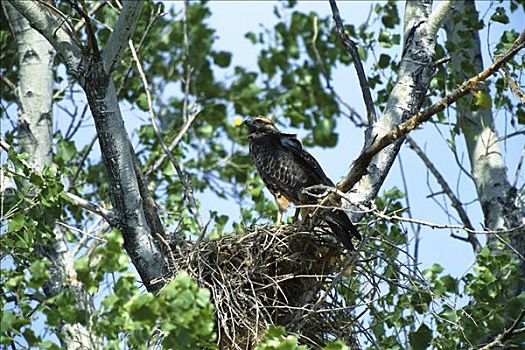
[(342, 227)]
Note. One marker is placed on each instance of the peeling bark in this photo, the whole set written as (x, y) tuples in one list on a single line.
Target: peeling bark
[(498, 198)]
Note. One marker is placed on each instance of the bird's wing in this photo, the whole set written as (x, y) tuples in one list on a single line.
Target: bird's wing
[(291, 142)]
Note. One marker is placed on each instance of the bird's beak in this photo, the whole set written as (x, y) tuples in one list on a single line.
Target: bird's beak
[(247, 122)]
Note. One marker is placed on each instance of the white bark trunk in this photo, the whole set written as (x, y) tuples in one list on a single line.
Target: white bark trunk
[(35, 96), (414, 75), (35, 89), (499, 200)]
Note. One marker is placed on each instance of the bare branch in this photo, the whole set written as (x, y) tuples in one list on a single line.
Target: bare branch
[(514, 87), (351, 47), (507, 334), (456, 203), (187, 187), (173, 143), (437, 17), (118, 41), (393, 218), (96, 6), (106, 214)]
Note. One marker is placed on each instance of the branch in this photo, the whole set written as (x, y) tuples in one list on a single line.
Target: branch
[(137, 221), (514, 87), (437, 17), (97, 6), (456, 204), (118, 40), (95, 209), (506, 335), (393, 218), (351, 47), (185, 183), (173, 143), (52, 28), (359, 169)]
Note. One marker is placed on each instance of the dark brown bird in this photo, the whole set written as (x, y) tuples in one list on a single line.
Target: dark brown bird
[(286, 169)]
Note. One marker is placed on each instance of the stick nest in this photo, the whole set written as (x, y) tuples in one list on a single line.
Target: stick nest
[(270, 275)]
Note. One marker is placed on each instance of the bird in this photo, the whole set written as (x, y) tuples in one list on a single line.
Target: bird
[(286, 169)]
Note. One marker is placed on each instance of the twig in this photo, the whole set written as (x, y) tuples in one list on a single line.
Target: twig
[(514, 87), (8, 82), (97, 6), (351, 47), (106, 214), (92, 40), (173, 143), (335, 191), (441, 61), (188, 191), (456, 203), (353, 115), (73, 179), (359, 169), (139, 47), (518, 168), (121, 34), (506, 335), (415, 228), (187, 68)]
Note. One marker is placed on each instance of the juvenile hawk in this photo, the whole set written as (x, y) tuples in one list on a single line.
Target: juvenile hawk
[(286, 169)]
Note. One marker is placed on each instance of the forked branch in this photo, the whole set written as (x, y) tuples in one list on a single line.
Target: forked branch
[(359, 168)]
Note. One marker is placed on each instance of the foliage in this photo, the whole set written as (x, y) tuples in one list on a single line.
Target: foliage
[(297, 60)]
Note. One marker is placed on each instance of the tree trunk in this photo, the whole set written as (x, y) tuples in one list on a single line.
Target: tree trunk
[(35, 97), (415, 71), (498, 198), (137, 218)]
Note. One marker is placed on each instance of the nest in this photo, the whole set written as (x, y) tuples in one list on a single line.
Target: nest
[(270, 275)]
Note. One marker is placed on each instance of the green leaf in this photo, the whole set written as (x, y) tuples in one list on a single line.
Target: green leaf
[(251, 36), (483, 100), (142, 101), (500, 16), (420, 339), (337, 345), (222, 58), (384, 61), (7, 319)]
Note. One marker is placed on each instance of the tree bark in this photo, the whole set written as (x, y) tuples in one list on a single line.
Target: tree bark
[(415, 72), (138, 222), (35, 104), (499, 200)]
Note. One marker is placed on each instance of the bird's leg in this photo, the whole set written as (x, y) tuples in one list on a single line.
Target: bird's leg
[(279, 218), (296, 215)]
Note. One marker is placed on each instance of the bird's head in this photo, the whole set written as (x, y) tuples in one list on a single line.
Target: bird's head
[(260, 125)]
